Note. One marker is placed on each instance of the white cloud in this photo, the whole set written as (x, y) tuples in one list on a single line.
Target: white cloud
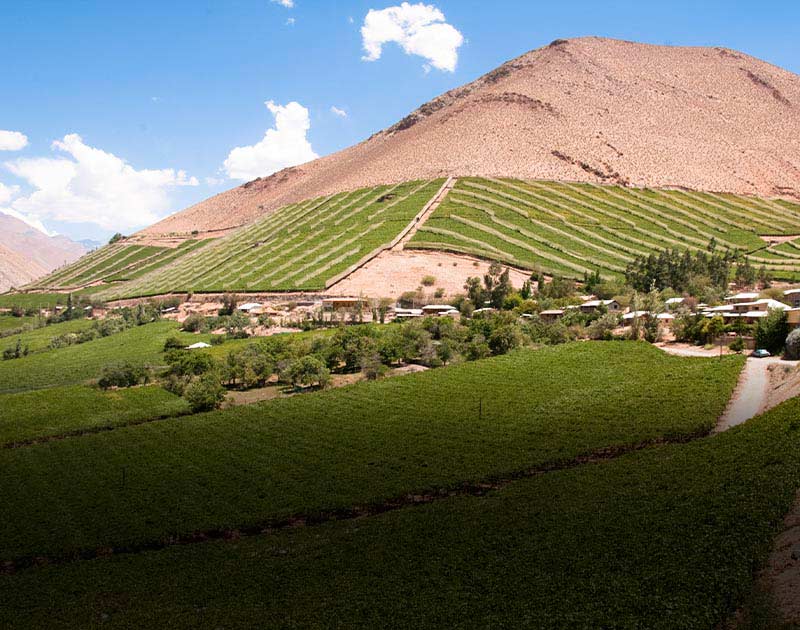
[(88, 185), (285, 145), (7, 192), (290, 21), (419, 29), (338, 112), (34, 223), (12, 140), (289, 4)]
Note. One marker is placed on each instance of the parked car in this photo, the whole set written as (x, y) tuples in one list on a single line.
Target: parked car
[(761, 353)]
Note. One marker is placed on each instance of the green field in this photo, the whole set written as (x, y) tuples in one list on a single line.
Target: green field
[(39, 338), (32, 300), (9, 324), (356, 445), (114, 263), (569, 229), (298, 247), (76, 364), (660, 539), (63, 411)]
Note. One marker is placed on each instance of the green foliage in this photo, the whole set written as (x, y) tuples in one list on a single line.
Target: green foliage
[(771, 331), (205, 393), (353, 445), (307, 371), (663, 538), (69, 410), (428, 281), (141, 345), (123, 375), (737, 345), (792, 350), (678, 270)]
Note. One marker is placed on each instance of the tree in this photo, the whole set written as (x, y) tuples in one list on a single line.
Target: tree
[(504, 338), (602, 327), (205, 393), (307, 371), (792, 352), (122, 375), (229, 302), (771, 331), (115, 239)]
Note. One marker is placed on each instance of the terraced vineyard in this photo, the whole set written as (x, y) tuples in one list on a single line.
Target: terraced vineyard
[(115, 263), (569, 229), (299, 247)]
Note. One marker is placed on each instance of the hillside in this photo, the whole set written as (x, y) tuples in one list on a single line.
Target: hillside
[(589, 109), (29, 253), (15, 270)]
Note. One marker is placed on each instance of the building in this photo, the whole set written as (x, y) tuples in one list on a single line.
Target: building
[(592, 305), (437, 309), (742, 297), (793, 318), (407, 313), (551, 315), (250, 307), (674, 302), (792, 297)]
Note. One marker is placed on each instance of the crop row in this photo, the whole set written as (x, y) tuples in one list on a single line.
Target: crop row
[(297, 247), (357, 444), (574, 227)]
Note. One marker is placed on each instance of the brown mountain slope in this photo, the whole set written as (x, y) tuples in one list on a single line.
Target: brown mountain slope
[(29, 253), (16, 270), (584, 109)]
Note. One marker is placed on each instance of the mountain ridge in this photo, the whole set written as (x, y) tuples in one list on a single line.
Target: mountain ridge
[(586, 109)]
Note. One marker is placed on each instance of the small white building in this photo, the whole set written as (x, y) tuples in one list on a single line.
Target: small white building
[(592, 305), (407, 313), (198, 346), (792, 297), (250, 307)]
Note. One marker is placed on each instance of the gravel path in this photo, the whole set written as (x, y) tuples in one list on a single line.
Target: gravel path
[(750, 396)]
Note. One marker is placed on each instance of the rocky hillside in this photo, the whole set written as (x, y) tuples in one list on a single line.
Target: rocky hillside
[(586, 109), (27, 254)]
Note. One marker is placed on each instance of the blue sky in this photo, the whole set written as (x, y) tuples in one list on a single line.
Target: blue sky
[(171, 88)]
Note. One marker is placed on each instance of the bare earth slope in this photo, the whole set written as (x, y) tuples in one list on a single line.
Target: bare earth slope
[(46, 251), (16, 270), (584, 109)]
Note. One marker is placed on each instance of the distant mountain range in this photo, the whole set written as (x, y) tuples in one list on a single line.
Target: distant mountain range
[(27, 254)]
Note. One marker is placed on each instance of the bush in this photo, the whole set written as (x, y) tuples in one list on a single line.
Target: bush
[(173, 343), (793, 346), (123, 375), (428, 281), (771, 331), (205, 394), (194, 323), (602, 327), (737, 345)]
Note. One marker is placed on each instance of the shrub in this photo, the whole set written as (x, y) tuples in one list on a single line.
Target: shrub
[(737, 345), (205, 394), (439, 293), (173, 343), (194, 323), (428, 281), (793, 345), (123, 375), (771, 331), (602, 327)]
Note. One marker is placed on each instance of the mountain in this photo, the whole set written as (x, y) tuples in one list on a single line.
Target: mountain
[(28, 254), (587, 109), (16, 270)]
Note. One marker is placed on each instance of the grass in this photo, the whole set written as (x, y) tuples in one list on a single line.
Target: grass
[(61, 411), (355, 445), (567, 229), (76, 364), (8, 323), (39, 338), (32, 300), (299, 247), (660, 539)]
